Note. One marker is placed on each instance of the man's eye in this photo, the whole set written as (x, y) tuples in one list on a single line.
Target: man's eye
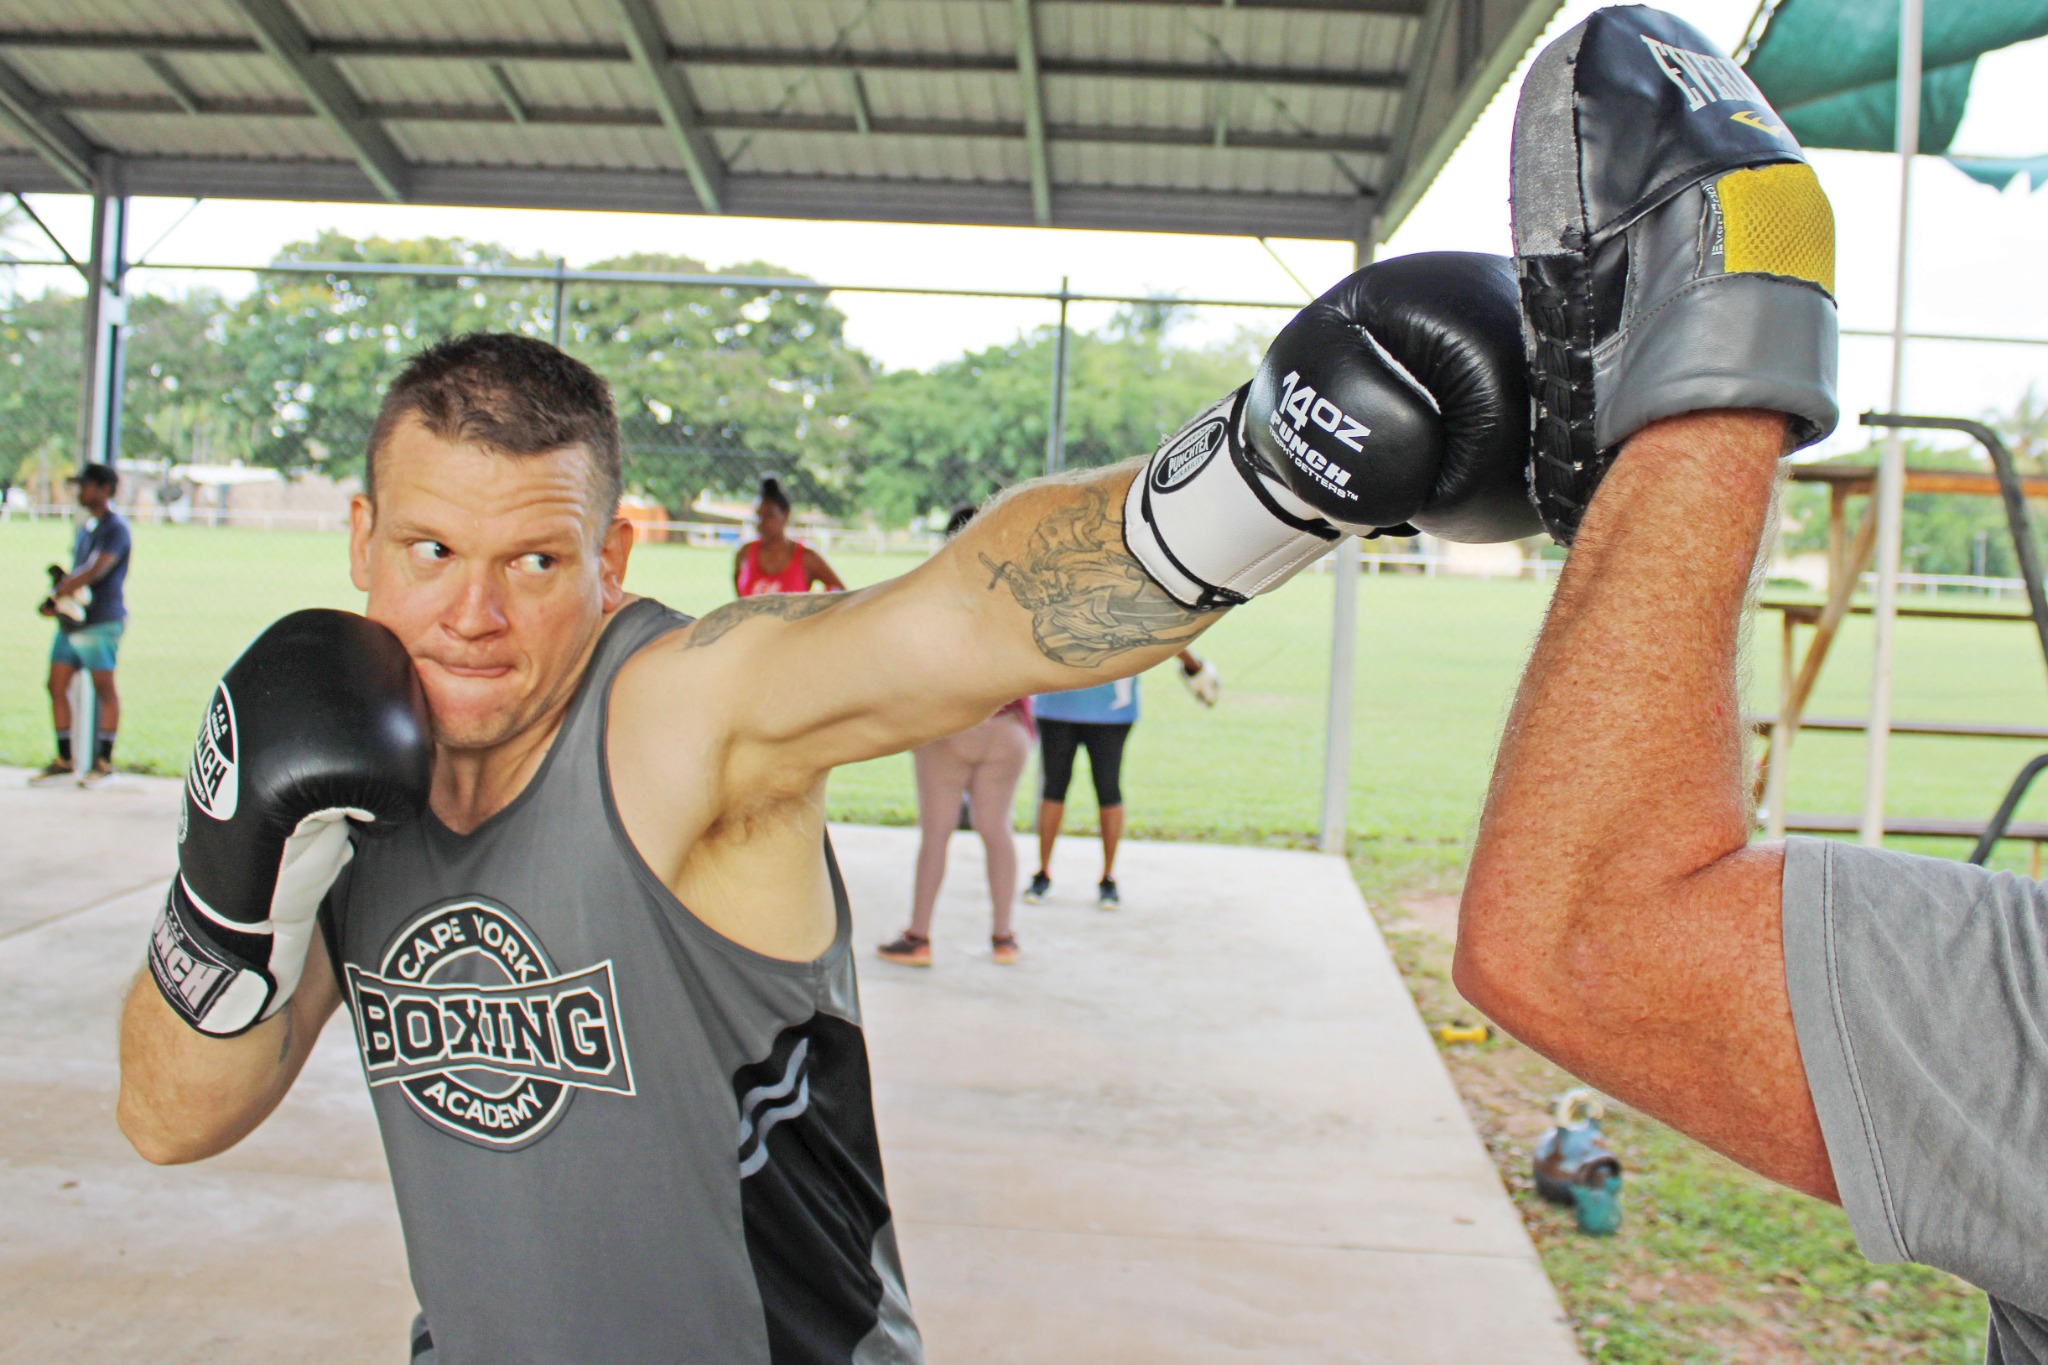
[(536, 562), (432, 551)]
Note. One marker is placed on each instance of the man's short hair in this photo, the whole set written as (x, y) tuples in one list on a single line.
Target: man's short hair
[(100, 475), (510, 393)]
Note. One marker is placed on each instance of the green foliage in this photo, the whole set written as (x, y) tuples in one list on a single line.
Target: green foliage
[(39, 349), (715, 386), (978, 424), (311, 354), (1942, 533)]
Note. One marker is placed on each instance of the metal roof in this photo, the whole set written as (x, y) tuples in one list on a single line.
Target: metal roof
[(1300, 118)]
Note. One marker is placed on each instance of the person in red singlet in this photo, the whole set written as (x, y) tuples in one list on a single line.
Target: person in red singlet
[(774, 562)]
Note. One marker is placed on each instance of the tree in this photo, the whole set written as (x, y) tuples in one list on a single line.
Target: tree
[(717, 386), (177, 378), (969, 427), (40, 341), (1940, 533), (310, 355)]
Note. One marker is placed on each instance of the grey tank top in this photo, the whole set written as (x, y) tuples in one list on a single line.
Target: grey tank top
[(614, 1134)]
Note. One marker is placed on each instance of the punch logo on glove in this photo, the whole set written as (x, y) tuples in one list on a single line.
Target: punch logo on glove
[(213, 781)]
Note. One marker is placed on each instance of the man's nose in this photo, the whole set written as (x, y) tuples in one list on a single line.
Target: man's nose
[(478, 609)]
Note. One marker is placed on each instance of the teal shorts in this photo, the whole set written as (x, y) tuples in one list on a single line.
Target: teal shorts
[(91, 648)]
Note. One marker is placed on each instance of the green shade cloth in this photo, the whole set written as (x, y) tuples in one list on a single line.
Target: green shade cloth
[(1999, 171), (1830, 67), (1866, 119)]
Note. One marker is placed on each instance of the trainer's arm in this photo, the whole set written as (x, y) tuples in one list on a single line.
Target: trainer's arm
[(1036, 595), (1616, 917), (186, 1096)]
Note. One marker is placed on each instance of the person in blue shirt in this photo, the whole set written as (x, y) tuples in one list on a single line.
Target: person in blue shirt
[(90, 639), (1098, 719)]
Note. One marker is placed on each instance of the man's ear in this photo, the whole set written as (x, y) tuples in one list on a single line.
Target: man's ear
[(611, 569), (362, 519)]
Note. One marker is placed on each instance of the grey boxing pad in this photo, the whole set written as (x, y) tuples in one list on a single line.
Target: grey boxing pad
[(1675, 251)]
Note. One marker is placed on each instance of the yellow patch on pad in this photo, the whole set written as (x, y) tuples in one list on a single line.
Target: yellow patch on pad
[(1777, 221)]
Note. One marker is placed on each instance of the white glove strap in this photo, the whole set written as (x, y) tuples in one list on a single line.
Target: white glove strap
[(314, 856), (1205, 532)]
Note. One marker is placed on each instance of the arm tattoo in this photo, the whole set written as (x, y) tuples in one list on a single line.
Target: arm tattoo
[(1089, 600), (284, 1044), (790, 606)]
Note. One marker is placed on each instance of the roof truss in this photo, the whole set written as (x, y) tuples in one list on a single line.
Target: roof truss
[(649, 49), (55, 139), (279, 33)]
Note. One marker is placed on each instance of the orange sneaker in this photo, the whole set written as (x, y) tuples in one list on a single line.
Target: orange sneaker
[(912, 950), (1002, 949)]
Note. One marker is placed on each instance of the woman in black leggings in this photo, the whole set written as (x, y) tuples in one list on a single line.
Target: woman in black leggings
[(1098, 719)]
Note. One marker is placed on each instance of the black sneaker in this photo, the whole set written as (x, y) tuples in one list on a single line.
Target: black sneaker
[(58, 771), (1106, 897), (1040, 888)]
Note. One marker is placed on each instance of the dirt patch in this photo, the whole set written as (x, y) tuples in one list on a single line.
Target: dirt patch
[(1436, 916), (1712, 1264)]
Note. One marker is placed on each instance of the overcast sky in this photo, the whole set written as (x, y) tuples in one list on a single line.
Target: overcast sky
[(1976, 264)]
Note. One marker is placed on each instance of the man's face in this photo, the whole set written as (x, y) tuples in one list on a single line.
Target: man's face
[(496, 571), (94, 497)]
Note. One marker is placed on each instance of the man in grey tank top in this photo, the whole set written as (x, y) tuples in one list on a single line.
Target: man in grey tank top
[(560, 853)]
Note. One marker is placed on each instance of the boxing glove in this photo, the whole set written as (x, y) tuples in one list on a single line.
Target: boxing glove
[(319, 726), (1396, 402), (1676, 251), (1399, 399), (69, 609)]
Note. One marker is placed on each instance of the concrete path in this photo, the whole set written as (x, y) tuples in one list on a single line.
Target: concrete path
[(1207, 1128)]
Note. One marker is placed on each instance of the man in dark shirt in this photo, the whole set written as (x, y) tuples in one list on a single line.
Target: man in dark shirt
[(99, 565)]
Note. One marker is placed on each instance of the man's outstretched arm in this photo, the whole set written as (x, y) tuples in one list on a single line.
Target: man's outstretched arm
[(1396, 398), (1615, 917), (1038, 594)]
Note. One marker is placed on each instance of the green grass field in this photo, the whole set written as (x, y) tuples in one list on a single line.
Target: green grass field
[(1761, 1274), (1436, 665)]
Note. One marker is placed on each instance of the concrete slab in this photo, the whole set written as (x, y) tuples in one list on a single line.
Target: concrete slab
[(1208, 1127), (67, 847)]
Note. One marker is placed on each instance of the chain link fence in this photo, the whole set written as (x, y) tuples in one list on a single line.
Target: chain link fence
[(254, 410), (245, 418)]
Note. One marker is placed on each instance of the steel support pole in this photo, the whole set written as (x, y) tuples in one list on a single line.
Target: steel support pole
[(1343, 650), (1890, 493), (1056, 428), (561, 298), (106, 315)]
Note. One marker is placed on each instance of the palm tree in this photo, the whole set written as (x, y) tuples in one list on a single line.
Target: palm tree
[(2025, 430)]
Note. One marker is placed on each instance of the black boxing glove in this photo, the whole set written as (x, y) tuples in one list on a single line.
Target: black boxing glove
[(320, 722), (1398, 401)]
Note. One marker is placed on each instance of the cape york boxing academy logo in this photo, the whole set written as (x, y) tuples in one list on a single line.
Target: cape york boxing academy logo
[(1191, 451), (467, 1017), (213, 781)]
